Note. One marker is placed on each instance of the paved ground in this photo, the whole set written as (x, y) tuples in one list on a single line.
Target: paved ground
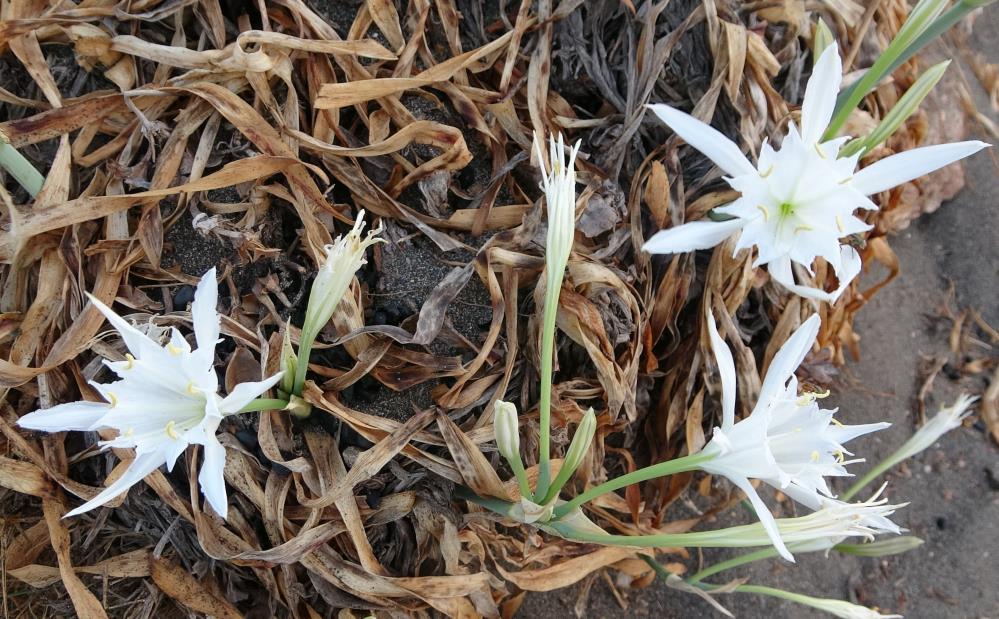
[(952, 487)]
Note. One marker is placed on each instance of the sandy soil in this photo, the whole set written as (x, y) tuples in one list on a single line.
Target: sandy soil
[(953, 487)]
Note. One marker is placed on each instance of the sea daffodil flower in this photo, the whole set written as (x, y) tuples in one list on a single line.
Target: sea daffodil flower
[(787, 441), (165, 400), (798, 201), (343, 258), (946, 419), (943, 422), (559, 185)]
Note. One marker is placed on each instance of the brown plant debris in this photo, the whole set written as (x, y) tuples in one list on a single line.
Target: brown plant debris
[(177, 136)]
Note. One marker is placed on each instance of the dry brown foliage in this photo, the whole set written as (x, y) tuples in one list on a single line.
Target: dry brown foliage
[(176, 136)]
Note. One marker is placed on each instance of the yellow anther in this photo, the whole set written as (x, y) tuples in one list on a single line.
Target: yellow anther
[(808, 397), (846, 180), (171, 432), (766, 213), (113, 398), (837, 422), (803, 228), (129, 432), (173, 350), (192, 389), (769, 171), (839, 456), (131, 361), (815, 456), (819, 150), (839, 223)]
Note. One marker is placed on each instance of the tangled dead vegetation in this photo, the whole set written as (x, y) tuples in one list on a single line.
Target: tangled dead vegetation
[(177, 136)]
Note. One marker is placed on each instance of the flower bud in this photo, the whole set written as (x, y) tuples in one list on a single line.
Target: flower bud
[(580, 442), (882, 547), (560, 195), (823, 38), (574, 456), (289, 364), (507, 429)]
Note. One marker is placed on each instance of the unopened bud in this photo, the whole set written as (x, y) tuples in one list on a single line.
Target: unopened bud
[(506, 426)]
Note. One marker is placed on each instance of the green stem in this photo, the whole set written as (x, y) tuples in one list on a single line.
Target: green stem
[(521, 475), (711, 570), (20, 168), (305, 342), (743, 536), (264, 404), (761, 590), (545, 405), (670, 467)]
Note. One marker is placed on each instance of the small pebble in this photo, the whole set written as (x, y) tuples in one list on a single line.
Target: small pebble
[(184, 295)]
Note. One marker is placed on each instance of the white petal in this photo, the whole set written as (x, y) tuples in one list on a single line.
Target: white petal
[(78, 416), (788, 358), (724, 152), (850, 269), (820, 95), (143, 465), (726, 368), (212, 478), (845, 434), (137, 342), (701, 234), (780, 271), (903, 167), (763, 513), (244, 393), (204, 312), (799, 494)]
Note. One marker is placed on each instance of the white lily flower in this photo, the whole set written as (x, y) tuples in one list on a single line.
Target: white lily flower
[(943, 422), (343, 258), (835, 520), (166, 400), (787, 441), (843, 609), (798, 201), (559, 185)]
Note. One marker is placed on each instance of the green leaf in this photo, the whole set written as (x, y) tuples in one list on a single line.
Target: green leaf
[(905, 107)]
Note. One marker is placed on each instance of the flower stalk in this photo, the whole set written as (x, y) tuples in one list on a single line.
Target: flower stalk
[(943, 422), (343, 258), (559, 185), (662, 469)]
